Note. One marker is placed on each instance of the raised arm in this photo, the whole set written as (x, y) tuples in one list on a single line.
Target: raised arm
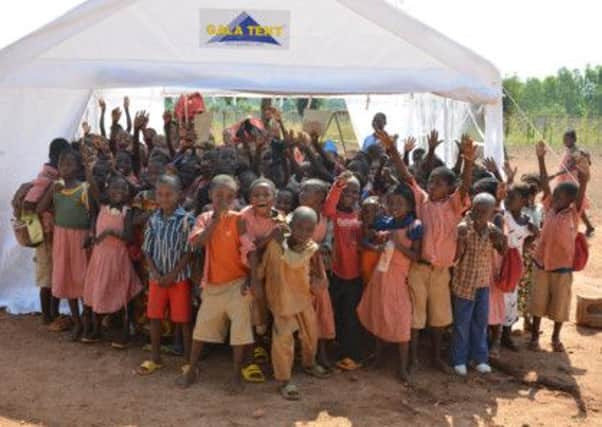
[(103, 110), (334, 195), (540, 150), (433, 142), (128, 117), (139, 122), (469, 151)]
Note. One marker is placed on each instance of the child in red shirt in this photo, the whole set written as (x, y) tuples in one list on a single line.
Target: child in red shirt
[(346, 284), (555, 250)]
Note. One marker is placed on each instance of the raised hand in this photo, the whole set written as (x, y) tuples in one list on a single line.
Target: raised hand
[(102, 104), (342, 179), (140, 120), (490, 164), (502, 191), (409, 144), (510, 171), (468, 149), (167, 117), (126, 103), (86, 128), (540, 149), (385, 139), (433, 140)]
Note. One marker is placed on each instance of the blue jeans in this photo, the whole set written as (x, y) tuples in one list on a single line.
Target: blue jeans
[(469, 340)]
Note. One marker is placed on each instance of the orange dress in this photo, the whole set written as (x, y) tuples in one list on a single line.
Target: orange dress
[(321, 296), (385, 309)]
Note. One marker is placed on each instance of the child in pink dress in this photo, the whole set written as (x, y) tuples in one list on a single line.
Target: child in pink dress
[(313, 193), (111, 281), (262, 222), (386, 308), (69, 197)]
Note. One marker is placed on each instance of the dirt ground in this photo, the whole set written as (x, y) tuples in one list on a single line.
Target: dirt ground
[(46, 380)]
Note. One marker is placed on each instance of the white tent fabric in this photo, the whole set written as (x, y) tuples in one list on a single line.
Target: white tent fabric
[(330, 47)]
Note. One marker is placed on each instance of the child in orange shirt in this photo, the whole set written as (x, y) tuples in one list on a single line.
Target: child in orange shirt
[(286, 267), (440, 209), (226, 301), (555, 250)]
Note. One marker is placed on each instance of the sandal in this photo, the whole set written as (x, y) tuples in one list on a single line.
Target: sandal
[(348, 364), (148, 367), (188, 377), (118, 346), (260, 356), (558, 347), (252, 374), (290, 392), (60, 324), (318, 371)]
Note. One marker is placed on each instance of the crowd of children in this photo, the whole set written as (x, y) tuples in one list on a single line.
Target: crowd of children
[(273, 239)]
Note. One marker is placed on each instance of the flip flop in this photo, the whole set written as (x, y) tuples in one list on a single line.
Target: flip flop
[(119, 346), (252, 374), (90, 340), (148, 367), (318, 371), (290, 392), (348, 364), (260, 355)]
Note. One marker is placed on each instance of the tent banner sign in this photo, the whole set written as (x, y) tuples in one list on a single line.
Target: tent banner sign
[(264, 29)]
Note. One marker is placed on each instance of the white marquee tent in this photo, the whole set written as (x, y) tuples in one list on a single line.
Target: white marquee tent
[(326, 47)]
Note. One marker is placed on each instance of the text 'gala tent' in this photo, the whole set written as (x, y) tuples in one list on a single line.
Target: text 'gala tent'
[(326, 47)]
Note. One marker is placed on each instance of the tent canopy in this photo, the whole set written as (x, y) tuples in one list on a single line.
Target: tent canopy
[(326, 47)]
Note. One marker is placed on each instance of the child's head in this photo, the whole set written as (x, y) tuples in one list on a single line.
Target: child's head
[(57, 146), (155, 168), (351, 194), (223, 191), (188, 169), (441, 183), (303, 224), (564, 195), (100, 172), (262, 192), (517, 198), (208, 162), (400, 201), (68, 164), (533, 180), (167, 192), (370, 210), (375, 152), (483, 209), (123, 140), (360, 168), (285, 200), (118, 190), (227, 160), (313, 193), (569, 138), (379, 121), (418, 155), (123, 163), (485, 185)]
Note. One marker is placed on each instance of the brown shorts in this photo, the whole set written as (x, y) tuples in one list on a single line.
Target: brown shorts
[(431, 296), (224, 309), (551, 295), (43, 261)]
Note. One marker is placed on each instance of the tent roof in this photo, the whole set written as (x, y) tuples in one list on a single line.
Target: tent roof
[(332, 47)]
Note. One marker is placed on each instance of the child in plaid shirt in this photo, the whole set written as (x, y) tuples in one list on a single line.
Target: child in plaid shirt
[(478, 237)]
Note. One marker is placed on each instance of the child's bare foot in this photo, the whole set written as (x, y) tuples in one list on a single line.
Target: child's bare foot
[(188, 377), (236, 385), (442, 366), (557, 346), (404, 377)]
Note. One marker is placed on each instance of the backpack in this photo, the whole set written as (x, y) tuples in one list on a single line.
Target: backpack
[(26, 226), (511, 271), (581, 252)]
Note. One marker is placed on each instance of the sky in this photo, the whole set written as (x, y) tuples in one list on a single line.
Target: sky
[(529, 38)]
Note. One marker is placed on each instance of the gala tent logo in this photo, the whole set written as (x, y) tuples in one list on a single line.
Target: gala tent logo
[(256, 28)]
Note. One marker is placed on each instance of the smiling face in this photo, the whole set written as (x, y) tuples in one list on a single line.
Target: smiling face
[(398, 206), (167, 196), (262, 198), (118, 191), (438, 186), (350, 195), (222, 196)]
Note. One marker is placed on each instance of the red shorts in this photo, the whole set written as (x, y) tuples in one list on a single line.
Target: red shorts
[(177, 296)]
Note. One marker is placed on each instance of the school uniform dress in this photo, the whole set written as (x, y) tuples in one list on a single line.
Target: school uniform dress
[(346, 282), (321, 296), (287, 283), (517, 234), (470, 291), (111, 281), (69, 258), (386, 307), (257, 227)]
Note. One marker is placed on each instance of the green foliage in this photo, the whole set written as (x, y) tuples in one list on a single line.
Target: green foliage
[(569, 99)]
